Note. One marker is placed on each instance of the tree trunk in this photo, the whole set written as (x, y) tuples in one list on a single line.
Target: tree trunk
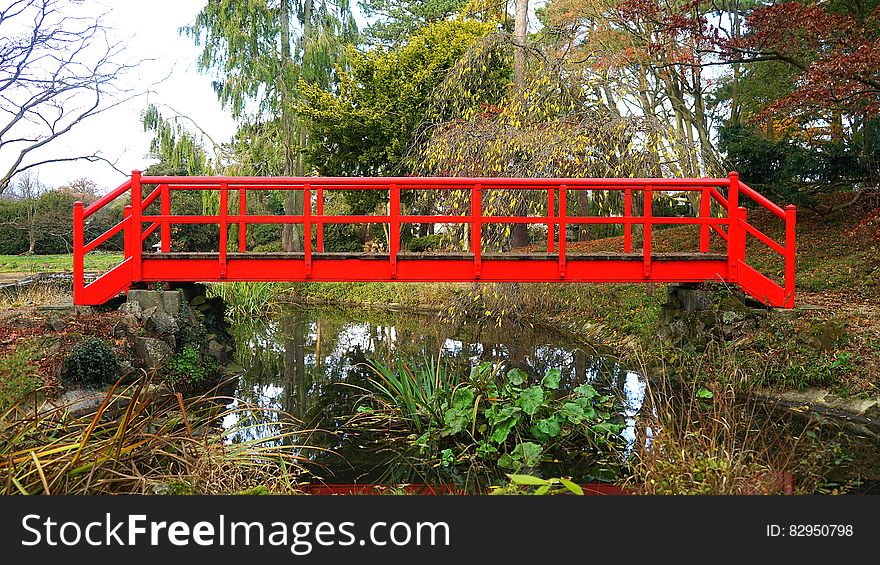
[(584, 205), (291, 234), (519, 233)]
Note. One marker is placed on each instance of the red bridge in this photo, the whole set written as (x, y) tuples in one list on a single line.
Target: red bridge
[(719, 211)]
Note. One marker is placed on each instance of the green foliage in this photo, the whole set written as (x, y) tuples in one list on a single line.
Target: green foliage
[(792, 169), (365, 126), (19, 374), (426, 243), (489, 421), (91, 363), (188, 367), (395, 21), (528, 484)]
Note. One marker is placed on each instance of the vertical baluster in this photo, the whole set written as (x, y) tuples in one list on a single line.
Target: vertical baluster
[(224, 226), (242, 225), (627, 225), (78, 253), (135, 233), (477, 228), (307, 229), (646, 248), (563, 228), (319, 210), (551, 226), (734, 254), (705, 214), (165, 210), (394, 228), (790, 216)]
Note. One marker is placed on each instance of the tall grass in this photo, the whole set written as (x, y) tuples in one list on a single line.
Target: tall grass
[(699, 441), (35, 294), (141, 440), (248, 299)]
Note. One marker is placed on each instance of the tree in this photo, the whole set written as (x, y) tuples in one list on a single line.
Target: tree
[(28, 189), (398, 20), (57, 69), (258, 64)]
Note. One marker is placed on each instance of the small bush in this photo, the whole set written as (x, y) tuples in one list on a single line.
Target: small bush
[(426, 243), (91, 363), (186, 368)]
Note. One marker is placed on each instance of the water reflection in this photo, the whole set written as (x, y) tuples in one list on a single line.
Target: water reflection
[(311, 364)]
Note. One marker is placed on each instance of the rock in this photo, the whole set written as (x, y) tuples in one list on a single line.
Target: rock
[(161, 323), (151, 352), (217, 349), (133, 308), (146, 299), (732, 304), (55, 323), (197, 300), (171, 302)]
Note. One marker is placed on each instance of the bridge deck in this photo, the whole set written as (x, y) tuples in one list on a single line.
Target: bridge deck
[(439, 256)]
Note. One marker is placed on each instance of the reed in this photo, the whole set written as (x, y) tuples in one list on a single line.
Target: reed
[(143, 439)]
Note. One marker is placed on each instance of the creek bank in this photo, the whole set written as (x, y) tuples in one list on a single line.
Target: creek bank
[(178, 336)]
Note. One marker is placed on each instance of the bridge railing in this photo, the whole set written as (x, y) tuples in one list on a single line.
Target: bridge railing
[(139, 222)]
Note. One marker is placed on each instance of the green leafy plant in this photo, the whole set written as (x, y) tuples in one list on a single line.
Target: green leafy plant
[(91, 362), (186, 367), (528, 484), (19, 374), (487, 422)]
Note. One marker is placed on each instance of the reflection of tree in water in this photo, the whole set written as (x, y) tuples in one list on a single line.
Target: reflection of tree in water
[(311, 364)]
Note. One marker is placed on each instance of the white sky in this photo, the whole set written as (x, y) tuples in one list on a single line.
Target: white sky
[(149, 28)]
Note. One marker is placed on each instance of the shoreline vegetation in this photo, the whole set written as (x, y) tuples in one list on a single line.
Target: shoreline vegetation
[(827, 348)]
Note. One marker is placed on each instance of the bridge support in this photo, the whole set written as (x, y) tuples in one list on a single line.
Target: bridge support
[(696, 314)]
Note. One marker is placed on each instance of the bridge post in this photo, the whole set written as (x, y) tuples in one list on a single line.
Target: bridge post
[(734, 253), (790, 216), (242, 225), (563, 228), (627, 214), (165, 205), (394, 227), (135, 232), (319, 210), (646, 239), (477, 227), (224, 227), (307, 229), (705, 214), (78, 253), (551, 226)]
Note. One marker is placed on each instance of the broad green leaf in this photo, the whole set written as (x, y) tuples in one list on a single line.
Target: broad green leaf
[(545, 429), (704, 393), (586, 391), (529, 452), (455, 421), (526, 480), (551, 379), (531, 399), (573, 487), (463, 398), (517, 377)]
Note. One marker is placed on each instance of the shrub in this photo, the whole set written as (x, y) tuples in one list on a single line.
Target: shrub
[(91, 362), (186, 368), (426, 243)]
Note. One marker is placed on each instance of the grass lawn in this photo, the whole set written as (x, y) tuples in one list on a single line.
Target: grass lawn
[(56, 263)]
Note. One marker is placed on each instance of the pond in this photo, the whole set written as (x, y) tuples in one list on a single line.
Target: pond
[(313, 364)]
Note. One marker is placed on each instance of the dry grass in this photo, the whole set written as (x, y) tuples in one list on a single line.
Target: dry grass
[(35, 294), (699, 441), (141, 440)]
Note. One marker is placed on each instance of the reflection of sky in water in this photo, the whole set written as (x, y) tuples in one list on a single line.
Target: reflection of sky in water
[(354, 340)]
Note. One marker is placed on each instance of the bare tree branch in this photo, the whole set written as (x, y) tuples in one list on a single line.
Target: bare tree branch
[(56, 71)]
